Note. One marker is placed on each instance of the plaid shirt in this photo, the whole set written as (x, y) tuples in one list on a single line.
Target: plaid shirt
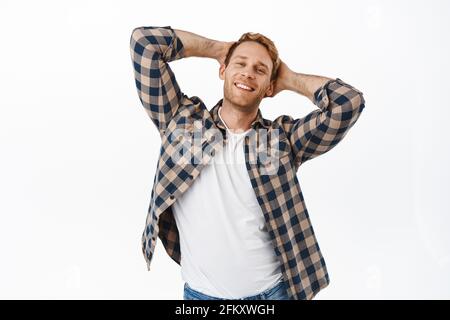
[(279, 195)]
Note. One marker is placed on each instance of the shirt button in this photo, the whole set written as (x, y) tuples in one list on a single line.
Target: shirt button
[(172, 197), (191, 177), (153, 238)]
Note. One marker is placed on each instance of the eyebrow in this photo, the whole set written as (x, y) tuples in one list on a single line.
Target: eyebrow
[(259, 62)]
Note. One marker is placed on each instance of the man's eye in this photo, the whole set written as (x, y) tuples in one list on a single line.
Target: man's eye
[(243, 64)]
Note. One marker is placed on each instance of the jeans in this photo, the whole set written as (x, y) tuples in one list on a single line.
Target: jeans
[(278, 292)]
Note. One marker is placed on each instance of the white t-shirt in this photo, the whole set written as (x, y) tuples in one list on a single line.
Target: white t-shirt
[(226, 250)]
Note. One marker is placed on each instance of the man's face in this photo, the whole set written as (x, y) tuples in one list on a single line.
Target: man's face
[(251, 66)]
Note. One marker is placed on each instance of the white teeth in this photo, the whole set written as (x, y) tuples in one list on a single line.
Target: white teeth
[(240, 85)]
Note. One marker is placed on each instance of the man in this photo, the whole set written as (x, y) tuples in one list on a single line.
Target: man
[(236, 224)]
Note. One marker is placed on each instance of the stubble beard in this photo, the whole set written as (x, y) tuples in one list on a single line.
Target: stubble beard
[(239, 102)]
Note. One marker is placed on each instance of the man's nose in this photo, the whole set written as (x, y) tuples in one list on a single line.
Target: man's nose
[(248, 74)]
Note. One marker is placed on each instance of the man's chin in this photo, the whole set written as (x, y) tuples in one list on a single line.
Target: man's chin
[(244, 103)]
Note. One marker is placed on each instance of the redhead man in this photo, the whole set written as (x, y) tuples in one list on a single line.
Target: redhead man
[(236, 223)]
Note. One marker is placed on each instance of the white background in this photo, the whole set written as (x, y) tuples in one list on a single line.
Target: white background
[(78, 151)]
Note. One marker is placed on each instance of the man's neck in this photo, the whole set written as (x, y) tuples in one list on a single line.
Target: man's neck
[(237, 121)]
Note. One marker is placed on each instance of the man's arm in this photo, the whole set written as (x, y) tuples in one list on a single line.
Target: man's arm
[(198, 46), (340, 105), (151, 50)]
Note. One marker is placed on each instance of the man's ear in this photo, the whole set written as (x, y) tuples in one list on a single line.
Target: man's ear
[(222, 71), (269, 90)]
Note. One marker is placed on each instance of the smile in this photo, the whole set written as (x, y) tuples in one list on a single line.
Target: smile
[(243, 87)]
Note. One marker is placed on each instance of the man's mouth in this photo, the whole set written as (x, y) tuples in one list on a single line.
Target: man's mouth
[(243, 87)]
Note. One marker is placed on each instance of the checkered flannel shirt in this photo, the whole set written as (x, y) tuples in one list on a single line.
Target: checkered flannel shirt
[(279, 195)]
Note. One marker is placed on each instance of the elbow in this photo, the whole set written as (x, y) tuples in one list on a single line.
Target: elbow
[(352, 101), (138, 42), (357, 106), (136, 35), (341, 98), (347, 109), (358, 102), (346, 102)]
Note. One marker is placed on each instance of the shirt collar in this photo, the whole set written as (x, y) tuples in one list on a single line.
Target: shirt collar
[(259, 120)]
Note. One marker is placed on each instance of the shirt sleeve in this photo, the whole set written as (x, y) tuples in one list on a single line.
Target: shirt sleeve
[(340, 105), (151, 49)]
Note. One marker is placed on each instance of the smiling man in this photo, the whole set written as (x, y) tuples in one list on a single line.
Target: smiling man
[(247, 73), (237, 226)]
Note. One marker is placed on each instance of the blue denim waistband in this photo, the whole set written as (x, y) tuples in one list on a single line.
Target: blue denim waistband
[(261, 296)]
